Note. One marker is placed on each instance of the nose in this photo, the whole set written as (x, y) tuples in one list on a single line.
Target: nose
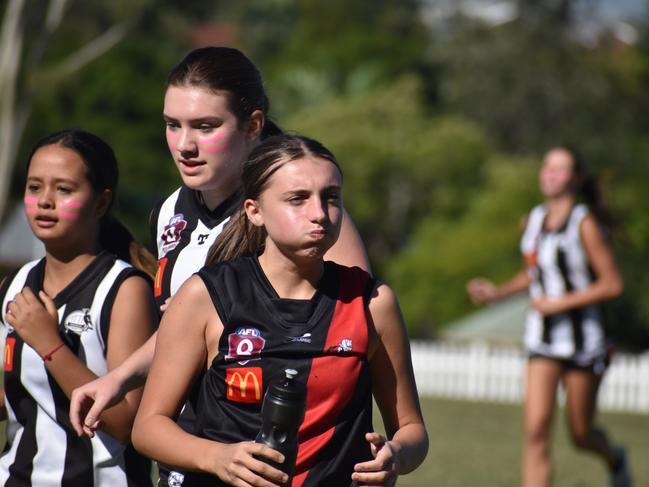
[(186, 144), (45, 199), (317, 210)]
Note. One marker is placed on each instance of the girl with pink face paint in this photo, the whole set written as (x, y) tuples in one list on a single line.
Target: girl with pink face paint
[(569, 270), (215, 113), (70, 317)]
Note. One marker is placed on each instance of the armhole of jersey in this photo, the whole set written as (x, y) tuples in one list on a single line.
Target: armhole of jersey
[(4, 287), (107, 307), (153, 226), (214, 295)]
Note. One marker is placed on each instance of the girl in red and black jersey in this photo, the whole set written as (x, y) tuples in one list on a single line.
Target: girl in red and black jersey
[(339, 328)]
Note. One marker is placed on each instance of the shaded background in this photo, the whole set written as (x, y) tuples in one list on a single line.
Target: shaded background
[(439, 112)]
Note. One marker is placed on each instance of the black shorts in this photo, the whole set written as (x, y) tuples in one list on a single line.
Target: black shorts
[(596, 366)]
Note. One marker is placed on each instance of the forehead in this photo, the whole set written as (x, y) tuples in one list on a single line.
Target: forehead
[(190, 102), (307, 172), (558, 159), (57, 161)]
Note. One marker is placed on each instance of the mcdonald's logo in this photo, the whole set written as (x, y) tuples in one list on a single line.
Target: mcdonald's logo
[(10, 343), (157, 283), (244, 384)]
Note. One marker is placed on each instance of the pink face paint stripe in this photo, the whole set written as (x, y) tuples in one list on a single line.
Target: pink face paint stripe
[(68, 215), (72, 204), (30, 200)]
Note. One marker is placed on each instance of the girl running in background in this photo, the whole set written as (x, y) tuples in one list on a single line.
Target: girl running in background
[(70, 317), (271, 282), (569, 270), (215, 112)]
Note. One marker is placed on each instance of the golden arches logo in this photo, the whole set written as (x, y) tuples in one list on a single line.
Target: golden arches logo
[(244, 384)]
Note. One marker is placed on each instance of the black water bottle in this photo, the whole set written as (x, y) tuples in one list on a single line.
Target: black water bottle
[(282, 414)]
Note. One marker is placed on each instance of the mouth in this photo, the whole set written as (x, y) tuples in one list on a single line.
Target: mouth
[(318, 234), (190, 167), (45, 221)]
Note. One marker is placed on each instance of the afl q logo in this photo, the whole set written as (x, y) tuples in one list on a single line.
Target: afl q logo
[(245, 342)]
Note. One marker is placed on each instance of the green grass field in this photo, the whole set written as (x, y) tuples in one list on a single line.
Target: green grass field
[(478, 444)]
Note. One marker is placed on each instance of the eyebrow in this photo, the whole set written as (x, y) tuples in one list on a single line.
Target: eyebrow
[(193, 120), (332, 187), (56, 180)]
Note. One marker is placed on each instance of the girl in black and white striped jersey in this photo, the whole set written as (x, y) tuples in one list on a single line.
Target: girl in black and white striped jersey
[(70, 317), (569, 270)]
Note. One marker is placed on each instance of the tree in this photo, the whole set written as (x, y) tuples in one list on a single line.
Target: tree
[(26, 36)]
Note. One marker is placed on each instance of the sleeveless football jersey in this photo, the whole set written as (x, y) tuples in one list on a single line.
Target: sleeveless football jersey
[(557, 264), (42, 448), (325, 339), (183, 230)]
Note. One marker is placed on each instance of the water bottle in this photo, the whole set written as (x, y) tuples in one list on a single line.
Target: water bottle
[(282, 414)]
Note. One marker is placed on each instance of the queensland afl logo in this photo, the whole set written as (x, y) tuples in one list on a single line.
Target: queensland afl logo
[(78, 321), (245, 342), (171, 233)]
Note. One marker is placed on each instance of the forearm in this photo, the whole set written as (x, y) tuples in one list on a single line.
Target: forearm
[(160, 438), (410, 444), (69, 373), (133, 371), (519, 283), (599, 292)]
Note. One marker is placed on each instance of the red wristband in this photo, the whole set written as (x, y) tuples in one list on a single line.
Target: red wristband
[(48, 356)]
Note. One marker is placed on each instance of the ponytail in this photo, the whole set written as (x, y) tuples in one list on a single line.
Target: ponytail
[(590, 192), (117, 239), (270, 129), (239, 237)]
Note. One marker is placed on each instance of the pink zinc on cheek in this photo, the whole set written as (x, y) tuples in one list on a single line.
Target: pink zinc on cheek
[(68, 215), (212, 144), (30, 204), (72, 204), (172, 139)]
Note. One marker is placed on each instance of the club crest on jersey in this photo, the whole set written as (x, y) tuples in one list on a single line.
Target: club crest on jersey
[(245, 342), (171, 233), (78, 321), (175, 479), (345, 345)]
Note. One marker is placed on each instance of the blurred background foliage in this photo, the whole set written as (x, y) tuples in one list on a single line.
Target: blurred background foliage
[(439, 122)]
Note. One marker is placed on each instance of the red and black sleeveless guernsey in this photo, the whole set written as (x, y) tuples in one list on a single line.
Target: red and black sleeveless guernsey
[(42, 448), (325, 339)]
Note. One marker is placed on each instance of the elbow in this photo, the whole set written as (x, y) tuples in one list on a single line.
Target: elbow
[(138, 436), (615, 288)]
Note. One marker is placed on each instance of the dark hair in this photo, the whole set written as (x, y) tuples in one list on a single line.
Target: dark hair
[(102, 173), (587, 187), (240, 236), (224, 69)]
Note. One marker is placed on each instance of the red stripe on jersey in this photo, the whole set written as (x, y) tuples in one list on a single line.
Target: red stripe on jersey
[(157, 283), (332, 379)]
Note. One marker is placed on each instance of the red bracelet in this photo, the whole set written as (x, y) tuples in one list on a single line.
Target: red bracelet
[(48, 356)]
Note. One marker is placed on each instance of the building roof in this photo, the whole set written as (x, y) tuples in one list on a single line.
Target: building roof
[(500, 322), (18, 244)]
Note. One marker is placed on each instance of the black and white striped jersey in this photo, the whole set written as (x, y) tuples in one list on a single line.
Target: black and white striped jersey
[(183, 230), (558, 264), (42, 448)]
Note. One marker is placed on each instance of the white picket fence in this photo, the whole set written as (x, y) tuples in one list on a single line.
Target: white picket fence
[(481, 372)]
